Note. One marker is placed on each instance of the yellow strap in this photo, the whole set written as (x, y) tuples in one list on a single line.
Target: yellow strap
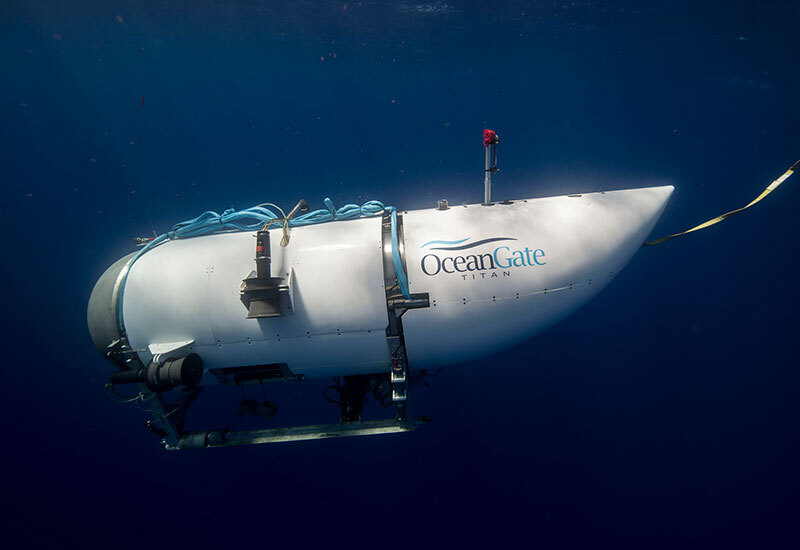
[(771, 187)]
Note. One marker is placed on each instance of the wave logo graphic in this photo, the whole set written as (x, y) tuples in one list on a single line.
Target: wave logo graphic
[(458, 245)]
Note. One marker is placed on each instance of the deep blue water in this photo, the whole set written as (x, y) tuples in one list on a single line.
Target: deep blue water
[(663, 414)]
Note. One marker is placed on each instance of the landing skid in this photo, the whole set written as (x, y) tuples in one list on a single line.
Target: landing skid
[(226, 438)]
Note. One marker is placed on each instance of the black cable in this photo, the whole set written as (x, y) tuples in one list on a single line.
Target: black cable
[(337, 385), (325, 394), (122, 398)]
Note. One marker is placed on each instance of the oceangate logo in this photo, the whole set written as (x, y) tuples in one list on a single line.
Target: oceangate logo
[(484, 265)]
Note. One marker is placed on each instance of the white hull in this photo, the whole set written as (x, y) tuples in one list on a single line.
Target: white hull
[(544, 259)]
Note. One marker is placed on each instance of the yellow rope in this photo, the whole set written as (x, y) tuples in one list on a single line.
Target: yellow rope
[(771, 187)]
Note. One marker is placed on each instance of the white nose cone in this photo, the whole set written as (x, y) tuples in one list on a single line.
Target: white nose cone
[(499, 274)]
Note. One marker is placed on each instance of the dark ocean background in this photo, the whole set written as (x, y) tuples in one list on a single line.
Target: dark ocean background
[(663, 414)]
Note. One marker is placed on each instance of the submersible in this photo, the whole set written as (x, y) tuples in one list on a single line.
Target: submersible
[(369, 295)]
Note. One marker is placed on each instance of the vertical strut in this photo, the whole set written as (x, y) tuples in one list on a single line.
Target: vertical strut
[(487, 178), (490, 141)]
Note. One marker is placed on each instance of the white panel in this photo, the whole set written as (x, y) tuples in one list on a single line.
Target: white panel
[(583, 241), (165, 294), (189, 289), (168, 347), (339, 284)]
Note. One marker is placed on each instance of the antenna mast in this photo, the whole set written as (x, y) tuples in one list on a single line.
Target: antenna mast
[(490, 142)]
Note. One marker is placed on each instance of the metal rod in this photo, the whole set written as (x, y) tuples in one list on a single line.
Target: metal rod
[(487, 178), (226, 438)]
